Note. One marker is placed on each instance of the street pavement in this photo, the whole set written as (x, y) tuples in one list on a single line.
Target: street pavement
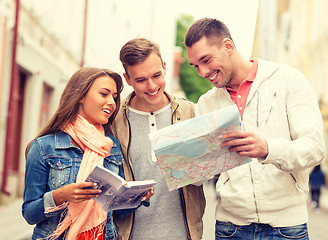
[(14, 227)]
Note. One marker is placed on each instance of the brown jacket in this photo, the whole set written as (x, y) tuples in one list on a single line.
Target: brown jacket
[(192, 197)]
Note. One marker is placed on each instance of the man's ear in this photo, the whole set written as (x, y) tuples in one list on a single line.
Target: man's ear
[(228, 45), (127, 79)]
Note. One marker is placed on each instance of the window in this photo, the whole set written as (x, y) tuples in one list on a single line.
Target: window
[(45, 104)]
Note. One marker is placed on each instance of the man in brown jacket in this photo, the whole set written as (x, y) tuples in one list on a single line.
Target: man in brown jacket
[(173, 215)]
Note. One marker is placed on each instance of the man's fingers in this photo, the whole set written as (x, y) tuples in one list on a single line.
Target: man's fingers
[(233, 142), (234, 134)]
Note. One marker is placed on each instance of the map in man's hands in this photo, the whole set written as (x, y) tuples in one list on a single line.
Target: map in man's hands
[(190, 151)]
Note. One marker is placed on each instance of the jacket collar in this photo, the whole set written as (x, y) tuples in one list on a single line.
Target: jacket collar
[(264, 71), (63, 140)]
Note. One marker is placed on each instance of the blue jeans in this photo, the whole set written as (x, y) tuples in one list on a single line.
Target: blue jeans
[(256, 231)]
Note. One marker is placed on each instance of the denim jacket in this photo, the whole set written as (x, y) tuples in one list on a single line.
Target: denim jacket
[(53, 162)]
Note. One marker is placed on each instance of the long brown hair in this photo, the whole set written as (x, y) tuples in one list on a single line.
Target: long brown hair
[(76, 88)]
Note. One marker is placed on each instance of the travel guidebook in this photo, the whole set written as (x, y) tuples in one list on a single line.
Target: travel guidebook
[(190, 151), (116, 192)]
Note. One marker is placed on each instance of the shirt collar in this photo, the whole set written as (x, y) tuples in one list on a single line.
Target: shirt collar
[(251, 75)]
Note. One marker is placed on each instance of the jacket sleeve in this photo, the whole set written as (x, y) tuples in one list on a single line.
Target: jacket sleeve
[(36, 177), (305, 146)]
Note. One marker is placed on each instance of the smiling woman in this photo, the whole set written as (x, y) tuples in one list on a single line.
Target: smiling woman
[(56, 197), (99, 103)]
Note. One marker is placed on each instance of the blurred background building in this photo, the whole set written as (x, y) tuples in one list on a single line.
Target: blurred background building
[(43, 42)]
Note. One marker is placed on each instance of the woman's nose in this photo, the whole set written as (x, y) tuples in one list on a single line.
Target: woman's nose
[(111, 100)]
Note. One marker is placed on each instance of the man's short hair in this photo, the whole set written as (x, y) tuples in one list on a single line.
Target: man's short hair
[(210, 28), (136, 51)]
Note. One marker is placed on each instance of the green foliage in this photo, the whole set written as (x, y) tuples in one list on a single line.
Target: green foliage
[(192, 84)]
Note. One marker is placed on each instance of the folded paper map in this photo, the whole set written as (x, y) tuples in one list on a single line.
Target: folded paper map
[(190, 151)]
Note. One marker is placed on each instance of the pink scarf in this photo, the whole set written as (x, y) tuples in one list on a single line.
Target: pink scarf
[(86, 215)]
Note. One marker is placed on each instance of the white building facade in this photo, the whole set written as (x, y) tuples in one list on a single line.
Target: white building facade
[(53, 40)]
